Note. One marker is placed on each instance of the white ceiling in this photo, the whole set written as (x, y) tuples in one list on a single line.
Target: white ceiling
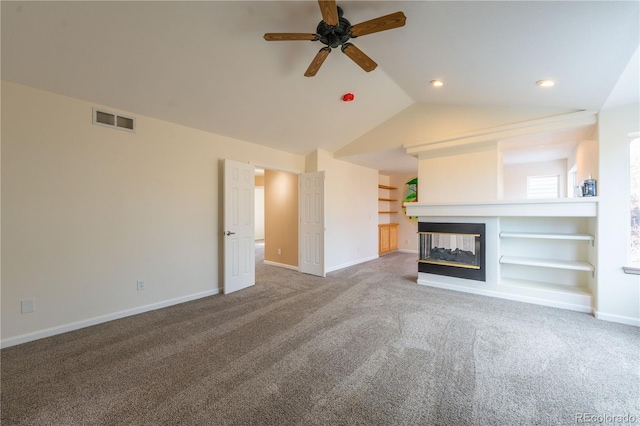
[(206, 65)]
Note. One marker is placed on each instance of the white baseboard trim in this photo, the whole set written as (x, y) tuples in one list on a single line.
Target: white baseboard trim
[(24, 338), (508, 296), (355, 262), (408, 251), (281, 265), (618, 318)]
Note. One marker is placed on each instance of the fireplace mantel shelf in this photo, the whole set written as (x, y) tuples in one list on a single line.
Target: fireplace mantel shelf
[(561, 207)]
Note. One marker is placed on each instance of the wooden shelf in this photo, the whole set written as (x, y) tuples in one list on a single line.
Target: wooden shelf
[(549, 236), (386, 187), (386, 199), (548, 263), (387, 212)]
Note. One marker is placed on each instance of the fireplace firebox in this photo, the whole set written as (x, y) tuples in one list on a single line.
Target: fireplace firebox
[(452, 249)]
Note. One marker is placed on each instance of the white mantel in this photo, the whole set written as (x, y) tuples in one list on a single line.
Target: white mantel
[(560, 207)]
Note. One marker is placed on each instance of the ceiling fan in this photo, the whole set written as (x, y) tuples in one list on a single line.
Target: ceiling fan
[(334, 31)]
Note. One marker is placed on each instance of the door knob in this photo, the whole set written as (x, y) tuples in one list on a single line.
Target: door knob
[(230, 233)]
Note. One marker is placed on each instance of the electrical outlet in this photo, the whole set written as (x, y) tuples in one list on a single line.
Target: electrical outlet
[(26, 306), (141, 285), (406, 241), (279, 251)]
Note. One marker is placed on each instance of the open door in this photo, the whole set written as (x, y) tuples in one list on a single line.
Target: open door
[(312, 223), (239, 244)]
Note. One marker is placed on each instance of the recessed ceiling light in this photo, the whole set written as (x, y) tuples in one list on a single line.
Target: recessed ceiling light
[(436, 83), (546, 83)]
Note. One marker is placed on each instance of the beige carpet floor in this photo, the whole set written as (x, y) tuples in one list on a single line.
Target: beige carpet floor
[(366, 345)]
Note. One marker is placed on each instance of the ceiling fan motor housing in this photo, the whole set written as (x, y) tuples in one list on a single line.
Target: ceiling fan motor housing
[(334, 36)]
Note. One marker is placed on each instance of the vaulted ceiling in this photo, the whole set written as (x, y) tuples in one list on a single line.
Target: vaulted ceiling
[(206, 65)]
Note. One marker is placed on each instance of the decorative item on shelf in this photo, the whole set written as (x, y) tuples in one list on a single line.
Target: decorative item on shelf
[(410, 195), (589, 188)]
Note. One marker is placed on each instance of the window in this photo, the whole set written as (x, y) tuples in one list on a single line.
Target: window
[(634, 252), (542, 186)]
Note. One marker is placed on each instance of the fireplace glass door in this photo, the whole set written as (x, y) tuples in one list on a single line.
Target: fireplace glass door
[(459, 250), (452, 249)]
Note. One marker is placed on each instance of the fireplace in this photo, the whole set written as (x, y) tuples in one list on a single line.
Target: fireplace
[(452, 249)]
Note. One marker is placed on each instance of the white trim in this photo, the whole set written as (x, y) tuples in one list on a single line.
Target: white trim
[(558, 207), (508, 296), (618, 318), (409, 251), (281, 265), (48, 332), (355, 262), (558, 122)]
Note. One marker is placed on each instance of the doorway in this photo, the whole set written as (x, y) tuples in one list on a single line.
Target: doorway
[(276, 212)]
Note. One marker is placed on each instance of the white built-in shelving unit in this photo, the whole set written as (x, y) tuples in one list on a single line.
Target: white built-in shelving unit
[(543, 252), (575, 265)]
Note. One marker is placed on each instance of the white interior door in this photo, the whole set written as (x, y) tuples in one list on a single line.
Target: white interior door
[(239, 240), (312, 227)]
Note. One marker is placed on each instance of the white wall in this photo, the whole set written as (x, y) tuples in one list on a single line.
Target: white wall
[(351, 211), (88, 210), (453, 176), (618, 294), (587, 160), (515, 177)]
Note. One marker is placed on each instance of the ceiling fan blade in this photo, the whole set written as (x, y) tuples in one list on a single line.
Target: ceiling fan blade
[(290, 36), (382, 23), (317, 61), (359, 57), (329, 10)]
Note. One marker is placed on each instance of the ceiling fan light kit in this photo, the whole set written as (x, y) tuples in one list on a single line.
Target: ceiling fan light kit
[(334, 31)]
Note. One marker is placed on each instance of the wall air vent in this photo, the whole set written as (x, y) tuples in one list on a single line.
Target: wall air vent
[(110, 119)]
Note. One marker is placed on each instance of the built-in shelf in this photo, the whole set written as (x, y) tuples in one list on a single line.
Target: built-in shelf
[(547, 236), (560, 288), (550, 294), (548, 263), (385, 199)]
